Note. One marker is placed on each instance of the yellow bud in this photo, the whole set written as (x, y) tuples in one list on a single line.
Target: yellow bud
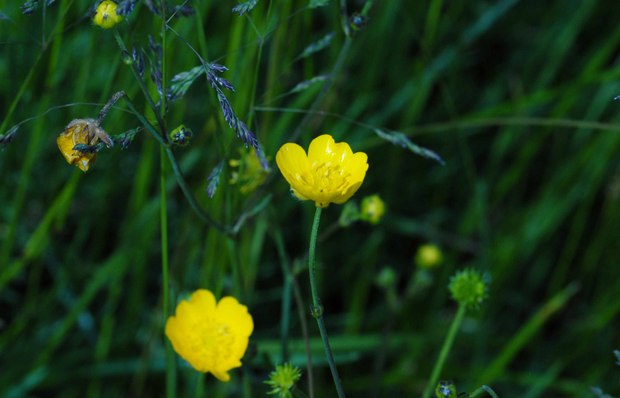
[(428, 256), (106, 15), (373, 209)]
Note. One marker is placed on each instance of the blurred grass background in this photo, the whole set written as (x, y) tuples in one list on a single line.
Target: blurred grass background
[(515, 96)]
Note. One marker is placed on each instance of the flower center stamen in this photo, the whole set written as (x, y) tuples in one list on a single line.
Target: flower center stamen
[(331, 177)]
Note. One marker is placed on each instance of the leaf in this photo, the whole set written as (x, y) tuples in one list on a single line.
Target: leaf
[(318, 3), (6, 139), (183, 11), (317, 45), (30, 6), (125, 7), (181, 82), (402, 140), (307, 83), (599, 393), (138, 58), (244, 7), (213, 181), (152, 7)]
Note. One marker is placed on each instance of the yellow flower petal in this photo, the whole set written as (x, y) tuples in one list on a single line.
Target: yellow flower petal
[(321, 148), (293, 163)]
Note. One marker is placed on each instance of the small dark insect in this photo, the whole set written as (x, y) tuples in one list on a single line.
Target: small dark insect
[(85, 148)]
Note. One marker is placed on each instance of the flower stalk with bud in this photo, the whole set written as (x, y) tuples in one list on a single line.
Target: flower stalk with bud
[(469, 289)]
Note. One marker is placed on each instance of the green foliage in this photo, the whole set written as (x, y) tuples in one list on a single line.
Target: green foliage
[(244, 7), (318, 3), (317, 46), (515, 97)]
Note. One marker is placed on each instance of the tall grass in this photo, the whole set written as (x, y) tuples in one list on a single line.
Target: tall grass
[(515, 97)]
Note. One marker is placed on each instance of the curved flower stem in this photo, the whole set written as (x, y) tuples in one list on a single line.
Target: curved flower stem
[(317, 308), (445, 350), (163, 214)]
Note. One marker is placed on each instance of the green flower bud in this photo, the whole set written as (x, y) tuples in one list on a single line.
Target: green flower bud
[(468, 288), (386, 278), (349, 214), (282, 380)]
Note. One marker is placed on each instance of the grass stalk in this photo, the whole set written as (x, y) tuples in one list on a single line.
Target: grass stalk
[(292, 285), (163, 214)]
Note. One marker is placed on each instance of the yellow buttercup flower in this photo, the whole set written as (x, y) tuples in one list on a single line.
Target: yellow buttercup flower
[(106, 15), (330, 173), (211, 336), (81, 131)]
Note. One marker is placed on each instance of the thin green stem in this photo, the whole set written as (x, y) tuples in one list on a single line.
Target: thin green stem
[(299, 302), (199, 391), (163, 104), (367, 8), (286, 294), (255, 82), (482, 389), (317, 308), (314, 108), (445, 350), (170, 371), (143, 88), (147, 125), (344, 18), (163, 214), (176, 169), (432, 21)]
